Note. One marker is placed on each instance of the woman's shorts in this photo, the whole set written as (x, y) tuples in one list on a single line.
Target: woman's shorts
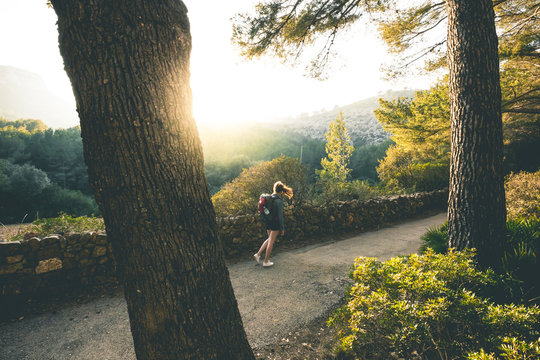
[(272, 225)]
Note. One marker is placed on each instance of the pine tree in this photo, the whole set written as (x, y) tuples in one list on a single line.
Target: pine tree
[(339, 149)]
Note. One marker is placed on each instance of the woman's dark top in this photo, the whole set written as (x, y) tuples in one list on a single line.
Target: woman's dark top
[(277, 220)]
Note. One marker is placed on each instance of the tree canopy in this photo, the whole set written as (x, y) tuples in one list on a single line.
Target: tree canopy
[(413, 30)]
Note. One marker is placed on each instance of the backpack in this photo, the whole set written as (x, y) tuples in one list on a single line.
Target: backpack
[(266, 208)]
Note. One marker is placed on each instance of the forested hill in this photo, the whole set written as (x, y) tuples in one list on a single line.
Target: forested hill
[(360, 120), (24, 95)]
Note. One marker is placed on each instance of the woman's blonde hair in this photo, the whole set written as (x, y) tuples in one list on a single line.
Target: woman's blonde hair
[(280, 188)]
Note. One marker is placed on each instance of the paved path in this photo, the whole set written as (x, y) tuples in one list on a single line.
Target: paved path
[(303, 285)]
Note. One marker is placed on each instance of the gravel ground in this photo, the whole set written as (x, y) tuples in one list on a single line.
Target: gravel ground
[(282, 307)]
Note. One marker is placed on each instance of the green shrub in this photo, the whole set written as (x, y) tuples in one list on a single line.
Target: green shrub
[(428, 306), (519, 265), (62, 224), (240, 196), (511, 349), (436, 238), (523, 195), (401, 170), (343, 191), (55, 200)]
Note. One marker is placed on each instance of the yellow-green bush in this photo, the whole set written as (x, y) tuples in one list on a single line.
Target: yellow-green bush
[(511, 349), (523, 195), (428, 306), (241, 195), (400, 170)]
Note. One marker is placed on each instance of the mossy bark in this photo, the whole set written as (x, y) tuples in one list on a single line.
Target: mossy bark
[(128, 62)]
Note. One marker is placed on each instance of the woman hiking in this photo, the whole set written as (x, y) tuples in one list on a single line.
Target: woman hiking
[(275, 225)]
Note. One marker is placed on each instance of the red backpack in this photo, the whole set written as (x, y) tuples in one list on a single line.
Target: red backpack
[(266, 207)]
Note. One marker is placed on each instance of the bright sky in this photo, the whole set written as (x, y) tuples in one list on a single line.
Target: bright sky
[(226, 88)]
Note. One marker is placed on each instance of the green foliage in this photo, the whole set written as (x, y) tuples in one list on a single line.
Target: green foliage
[(27, 193), (221, 172), (400, 171), (343, 191), (333, 177), (523, 195), (27, 126), (229, 150), (428, 306), (55, 199), (338, 150), (365, 159), (519, 266), (436, 239), (240, 196), (520, 263), (511, 349), (420, 126), (59, 153), (27, 181), (62, 224)]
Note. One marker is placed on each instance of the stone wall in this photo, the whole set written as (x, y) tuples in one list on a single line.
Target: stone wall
[(55, 264), (304, 221)]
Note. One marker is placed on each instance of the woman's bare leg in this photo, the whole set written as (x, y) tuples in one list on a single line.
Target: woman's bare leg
[(264, 244), (270, 244)]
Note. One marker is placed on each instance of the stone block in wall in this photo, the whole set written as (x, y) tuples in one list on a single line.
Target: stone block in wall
[(14, 259), (99, 251), (50, 248), (8, 269), (69, 263), (72, 239), (236, 240), (48, 265), (31, 244), (86, 262), (101, 238), (85, 238), (9, 249), (51, 240)]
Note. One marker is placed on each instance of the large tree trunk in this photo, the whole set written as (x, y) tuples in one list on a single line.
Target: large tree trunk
[(476, 209), (128, 61)]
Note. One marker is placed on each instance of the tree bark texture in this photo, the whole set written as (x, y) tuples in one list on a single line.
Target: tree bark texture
[(476, 209), (128, 61)]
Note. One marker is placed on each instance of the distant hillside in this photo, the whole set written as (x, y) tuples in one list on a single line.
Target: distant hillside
[(24, 95), (359, 118)]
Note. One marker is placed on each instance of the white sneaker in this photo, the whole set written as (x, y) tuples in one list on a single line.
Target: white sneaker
[(268, 264), (257, 258)]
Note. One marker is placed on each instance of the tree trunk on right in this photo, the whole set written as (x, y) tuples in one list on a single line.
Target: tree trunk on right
[(476, 206)]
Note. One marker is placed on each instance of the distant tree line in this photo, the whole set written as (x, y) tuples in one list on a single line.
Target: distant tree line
[(42, 172)]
